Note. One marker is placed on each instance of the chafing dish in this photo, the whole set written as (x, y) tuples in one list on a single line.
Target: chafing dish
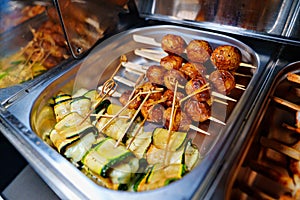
[(62, 176)]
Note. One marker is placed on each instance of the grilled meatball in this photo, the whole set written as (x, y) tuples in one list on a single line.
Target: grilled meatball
[(192, 70), (146, 87), (155, 74), (172, 76), (171, 61), (198, 51), (198, 111), (181, 120), (193, 85), (222, 80), (173, 44), (153, 113), (124, 98), (226, 57), (169, 95)]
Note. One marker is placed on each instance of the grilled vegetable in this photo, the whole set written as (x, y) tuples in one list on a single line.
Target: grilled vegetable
[(156, 155), (140, 144), (71, 132), (159, 176), (62, 105), (104, 156), (191, 155), (81, 105), (160, 139)]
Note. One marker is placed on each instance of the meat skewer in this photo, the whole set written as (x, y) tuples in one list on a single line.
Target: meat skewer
[(152, 41), (157, 59)]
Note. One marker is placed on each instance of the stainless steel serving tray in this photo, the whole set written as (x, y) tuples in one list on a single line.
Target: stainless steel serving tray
[(246, 178), (18, 120), (11, 42)]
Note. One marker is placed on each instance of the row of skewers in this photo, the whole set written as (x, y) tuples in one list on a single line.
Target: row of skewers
[(172, 95), (278, 160), (198, 85)]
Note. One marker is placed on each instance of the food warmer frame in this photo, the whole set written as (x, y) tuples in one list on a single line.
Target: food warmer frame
[(67, 181)]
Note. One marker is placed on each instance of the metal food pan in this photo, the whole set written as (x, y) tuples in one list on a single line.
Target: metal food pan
[(64, 178), (13, 41), (266, 167)]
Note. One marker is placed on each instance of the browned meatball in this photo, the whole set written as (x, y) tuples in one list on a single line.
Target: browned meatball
[(169, 95), (222, 80), (155, 74), (192, 70), (198, 111), (124, 98), (198, 51), (181, 121), (171, 62), (193, 85), (226, 57), (146, 87), (153, 112), (173, 44), (172, 76)]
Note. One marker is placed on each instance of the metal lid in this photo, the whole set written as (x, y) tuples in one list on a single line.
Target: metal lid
[(276, 20), (85, 22)]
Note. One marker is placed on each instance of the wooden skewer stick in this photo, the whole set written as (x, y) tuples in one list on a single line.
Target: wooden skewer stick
[(146, 40), (155, 51), (293, 77), (243, 75), (247, 65), (139, 80), (222, 96), (201, 89), (135, 67), (240, 85), (195, 128), (137, 131), (133, 118), (124, 81), (110, 116), (173, 114), (108, 87), (273, 144), (118, 113), (112, 93), (219, 101), (287, 103), (240, 88), (150, 56), (289, 127), (216, 120)]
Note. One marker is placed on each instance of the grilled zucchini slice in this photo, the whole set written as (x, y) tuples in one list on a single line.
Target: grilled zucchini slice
[(81, 105), (62, 105), (69, 130), (104, 156), (160, 175), (155, 156), (191, 155), (160, 139)]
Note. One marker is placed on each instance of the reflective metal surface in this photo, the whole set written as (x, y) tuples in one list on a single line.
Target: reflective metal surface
[(271, 18), (86, 22), (63, 177), (268, 166)]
